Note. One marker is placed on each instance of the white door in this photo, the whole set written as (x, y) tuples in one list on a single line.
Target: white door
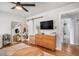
[(68, 31), (30, 27), (76, 31)]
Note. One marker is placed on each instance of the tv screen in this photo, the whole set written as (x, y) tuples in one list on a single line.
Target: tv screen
[(46, 24)]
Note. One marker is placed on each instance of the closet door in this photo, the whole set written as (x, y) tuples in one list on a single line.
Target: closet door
[(30, 28), (68, 31), (77, 31)]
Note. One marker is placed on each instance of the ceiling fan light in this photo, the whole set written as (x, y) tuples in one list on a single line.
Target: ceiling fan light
[(19, 7)]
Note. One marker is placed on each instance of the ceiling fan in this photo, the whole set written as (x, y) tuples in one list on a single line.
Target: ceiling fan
[(21, 6)]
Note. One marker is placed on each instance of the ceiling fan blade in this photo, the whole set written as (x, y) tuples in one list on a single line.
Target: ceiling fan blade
[(13, 7), (13, 2), (28, 4), (24, 9)]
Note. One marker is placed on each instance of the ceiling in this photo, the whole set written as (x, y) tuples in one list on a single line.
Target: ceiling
[(39, 8)]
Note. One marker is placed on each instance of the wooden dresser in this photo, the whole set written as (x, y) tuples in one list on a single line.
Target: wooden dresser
[(45, 41)]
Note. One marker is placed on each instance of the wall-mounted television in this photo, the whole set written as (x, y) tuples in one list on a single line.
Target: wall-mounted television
[(46, 24)]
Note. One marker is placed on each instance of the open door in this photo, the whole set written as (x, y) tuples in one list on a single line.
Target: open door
[(19, 31)]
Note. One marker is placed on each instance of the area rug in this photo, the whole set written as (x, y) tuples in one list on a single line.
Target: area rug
[(12, 48)]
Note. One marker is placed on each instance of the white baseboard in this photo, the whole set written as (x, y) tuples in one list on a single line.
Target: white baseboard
[(58, 49)]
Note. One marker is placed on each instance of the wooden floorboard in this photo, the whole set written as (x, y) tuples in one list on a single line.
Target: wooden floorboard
[(55, 53), (67, 50), (71, 49)]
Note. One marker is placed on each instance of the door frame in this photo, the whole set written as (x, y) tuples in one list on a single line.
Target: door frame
[(61, 23)]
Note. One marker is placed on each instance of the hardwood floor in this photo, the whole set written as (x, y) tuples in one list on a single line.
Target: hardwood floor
[(71, 49), (67, 50), (54, 53)]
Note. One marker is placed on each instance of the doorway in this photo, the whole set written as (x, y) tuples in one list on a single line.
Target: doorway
[(70, 26), (19, 31)]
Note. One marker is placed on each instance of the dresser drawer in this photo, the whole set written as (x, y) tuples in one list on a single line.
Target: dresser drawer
[(46, 41)]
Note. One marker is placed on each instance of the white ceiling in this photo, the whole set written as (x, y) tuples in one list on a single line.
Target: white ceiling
[(39, 8)]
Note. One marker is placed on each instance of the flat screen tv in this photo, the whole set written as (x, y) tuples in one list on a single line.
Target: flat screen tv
[(46, 24)]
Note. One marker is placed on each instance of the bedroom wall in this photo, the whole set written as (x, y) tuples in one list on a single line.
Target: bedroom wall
[(5, 22), (54, 15)]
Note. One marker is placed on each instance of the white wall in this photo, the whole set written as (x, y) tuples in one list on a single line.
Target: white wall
[(55, 15), (5, 22)]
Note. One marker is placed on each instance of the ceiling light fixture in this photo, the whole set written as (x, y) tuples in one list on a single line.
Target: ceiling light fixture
[(19, 7)]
